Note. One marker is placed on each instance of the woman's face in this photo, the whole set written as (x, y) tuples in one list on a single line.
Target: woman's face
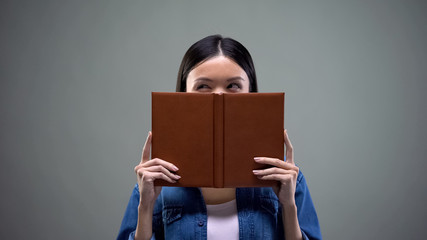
[(218, 75)]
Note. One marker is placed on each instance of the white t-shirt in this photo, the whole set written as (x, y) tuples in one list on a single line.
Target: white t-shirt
[(223, 222)]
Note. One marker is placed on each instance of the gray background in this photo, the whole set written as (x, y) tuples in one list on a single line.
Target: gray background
[(76, 78)]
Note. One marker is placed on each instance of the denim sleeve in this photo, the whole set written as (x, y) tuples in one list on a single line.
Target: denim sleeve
[(130, 219), (307, 216)]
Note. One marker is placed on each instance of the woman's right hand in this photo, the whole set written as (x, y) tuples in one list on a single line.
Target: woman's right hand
[(147, 171)]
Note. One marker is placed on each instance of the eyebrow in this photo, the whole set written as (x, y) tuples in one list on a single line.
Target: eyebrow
[(210, 80)]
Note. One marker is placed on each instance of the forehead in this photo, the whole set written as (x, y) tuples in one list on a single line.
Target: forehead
[(217, 68)]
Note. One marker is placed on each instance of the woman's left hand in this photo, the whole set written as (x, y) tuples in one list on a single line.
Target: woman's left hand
[(285, 172)]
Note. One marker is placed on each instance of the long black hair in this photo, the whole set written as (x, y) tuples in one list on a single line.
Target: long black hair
[(211, 46)]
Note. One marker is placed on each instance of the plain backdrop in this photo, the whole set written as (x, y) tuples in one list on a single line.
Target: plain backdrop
[(76, 78)]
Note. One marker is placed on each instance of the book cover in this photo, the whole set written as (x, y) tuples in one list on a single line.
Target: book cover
[(213, 138)]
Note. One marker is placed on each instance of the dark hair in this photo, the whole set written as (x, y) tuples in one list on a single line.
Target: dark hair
[(212, 46)]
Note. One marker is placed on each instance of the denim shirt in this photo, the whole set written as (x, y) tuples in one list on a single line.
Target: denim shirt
[(180, 213)]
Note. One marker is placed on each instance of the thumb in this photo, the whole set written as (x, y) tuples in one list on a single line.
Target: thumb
[(289, 148), (147, 148)]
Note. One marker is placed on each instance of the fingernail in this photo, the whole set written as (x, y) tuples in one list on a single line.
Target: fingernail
[(255, 171), (257, 158), (177, 176), (175, 168)]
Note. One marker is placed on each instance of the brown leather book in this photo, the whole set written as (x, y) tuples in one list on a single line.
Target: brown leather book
[(213, 138)]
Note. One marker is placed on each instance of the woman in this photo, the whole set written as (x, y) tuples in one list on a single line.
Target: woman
[(216, 64)]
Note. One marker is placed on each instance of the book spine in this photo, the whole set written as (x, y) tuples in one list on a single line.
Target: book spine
[(218, 152)]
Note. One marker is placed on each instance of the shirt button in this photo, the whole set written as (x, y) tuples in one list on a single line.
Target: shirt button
[(201, 223)]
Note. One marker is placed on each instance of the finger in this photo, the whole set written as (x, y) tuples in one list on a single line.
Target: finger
[(137, 167), (145, 156), (152, 176), (276, 162), (276, 177), (273, 170), (289, 148), (158, 161), (160, 168)]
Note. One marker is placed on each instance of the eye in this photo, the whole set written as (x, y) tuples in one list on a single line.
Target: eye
[(234, 86)]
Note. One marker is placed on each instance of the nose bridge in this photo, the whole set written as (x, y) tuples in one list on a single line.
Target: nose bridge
[(218, 90)]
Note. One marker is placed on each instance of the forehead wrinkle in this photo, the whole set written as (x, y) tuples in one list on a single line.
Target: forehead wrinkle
[(235, 78), (203, 79), (210, 80)]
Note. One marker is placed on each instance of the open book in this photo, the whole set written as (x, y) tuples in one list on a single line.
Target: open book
[(213, 138)]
